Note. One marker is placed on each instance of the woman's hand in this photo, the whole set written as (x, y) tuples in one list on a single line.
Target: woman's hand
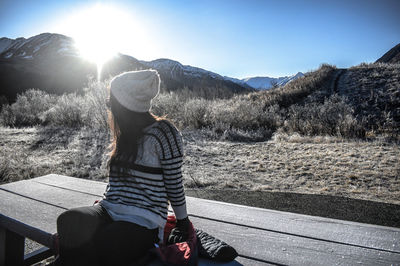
[(180, 233)]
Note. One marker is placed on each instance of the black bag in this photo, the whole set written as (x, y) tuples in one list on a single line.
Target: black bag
[(212, 248)]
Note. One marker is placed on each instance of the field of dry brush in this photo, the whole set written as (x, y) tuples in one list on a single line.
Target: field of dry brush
[(313, 165)]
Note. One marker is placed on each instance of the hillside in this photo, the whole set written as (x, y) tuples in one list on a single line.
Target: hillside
[(373, 91), (360, 102), (392, 56)]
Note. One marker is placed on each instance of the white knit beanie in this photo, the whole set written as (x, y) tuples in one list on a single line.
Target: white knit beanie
[(135, 89)]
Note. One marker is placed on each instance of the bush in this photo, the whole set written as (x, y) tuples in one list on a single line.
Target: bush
[(68, 111), (196, 113), (36, 107), (95, 106), (333, 118), (3, 101), (254, 116), (28, 110), (170, 105)]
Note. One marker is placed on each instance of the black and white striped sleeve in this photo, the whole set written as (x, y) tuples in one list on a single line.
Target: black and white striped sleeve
[(171, 164)]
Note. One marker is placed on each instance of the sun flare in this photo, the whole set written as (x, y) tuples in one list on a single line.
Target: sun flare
[(101, 31)]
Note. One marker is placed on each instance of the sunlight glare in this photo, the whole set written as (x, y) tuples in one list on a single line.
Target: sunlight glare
[(101, 31)]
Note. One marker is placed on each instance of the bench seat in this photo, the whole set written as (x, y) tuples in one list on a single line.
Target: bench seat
[(29, 208)]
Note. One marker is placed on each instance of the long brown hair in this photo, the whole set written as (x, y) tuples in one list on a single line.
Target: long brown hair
[(127, 129)]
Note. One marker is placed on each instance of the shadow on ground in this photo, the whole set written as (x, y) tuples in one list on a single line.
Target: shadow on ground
[(335, 207)]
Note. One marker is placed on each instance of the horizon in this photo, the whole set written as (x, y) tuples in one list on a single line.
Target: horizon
[(231, 38)]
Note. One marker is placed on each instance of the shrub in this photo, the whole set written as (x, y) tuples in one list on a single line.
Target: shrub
[(95, 106), (28, 110), (373, 91), (3, 101), (170, 105), (68, 111), (334, 118), (35, 107), (196, 113)]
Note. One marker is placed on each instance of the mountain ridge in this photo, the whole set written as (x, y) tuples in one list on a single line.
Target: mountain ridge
[(391, 56), (265, 83), (51, 62), (44, 48)]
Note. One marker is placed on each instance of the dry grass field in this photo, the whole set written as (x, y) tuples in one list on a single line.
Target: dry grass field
[(31, 152), (313, 165)]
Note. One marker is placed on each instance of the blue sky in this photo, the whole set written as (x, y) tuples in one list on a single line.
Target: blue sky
[(234, 38)]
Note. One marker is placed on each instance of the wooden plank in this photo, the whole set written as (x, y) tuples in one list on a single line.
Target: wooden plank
[(33, 213), (55, 196), (272, 242), (43, 193), (277, 248), (42, 215), (26, 230), (351, 233), (73, 183)]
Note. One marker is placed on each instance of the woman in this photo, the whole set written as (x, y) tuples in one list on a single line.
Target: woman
[(144, 175)]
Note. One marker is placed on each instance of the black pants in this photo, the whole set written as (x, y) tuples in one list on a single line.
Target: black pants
[(88, 236)]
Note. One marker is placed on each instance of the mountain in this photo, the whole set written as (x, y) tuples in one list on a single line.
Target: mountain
[(5, 43), (177, 75), (265, 83), (52, 63), (392, 56), (36, 46), (174, 75), (46, 61)]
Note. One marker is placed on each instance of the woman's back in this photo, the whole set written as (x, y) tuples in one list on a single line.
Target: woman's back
[(141, 189)]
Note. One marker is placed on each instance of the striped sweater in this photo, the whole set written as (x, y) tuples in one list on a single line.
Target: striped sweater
[(139, 191)]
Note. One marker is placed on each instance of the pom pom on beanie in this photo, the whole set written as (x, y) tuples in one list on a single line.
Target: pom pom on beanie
[(135, 89)]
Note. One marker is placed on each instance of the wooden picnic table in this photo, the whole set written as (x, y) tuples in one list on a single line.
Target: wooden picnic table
[(261, 236)]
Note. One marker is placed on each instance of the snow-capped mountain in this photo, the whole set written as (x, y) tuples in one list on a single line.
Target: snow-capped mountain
[(5, 43), (265, 83), (175, 68), (175, 75), (46, 61), (38, 45)]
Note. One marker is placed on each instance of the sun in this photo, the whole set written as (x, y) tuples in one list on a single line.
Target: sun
[(101, 31)]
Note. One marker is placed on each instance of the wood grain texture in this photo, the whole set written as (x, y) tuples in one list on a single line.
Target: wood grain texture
[(280, 248), (261, 236), (352, 233)]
